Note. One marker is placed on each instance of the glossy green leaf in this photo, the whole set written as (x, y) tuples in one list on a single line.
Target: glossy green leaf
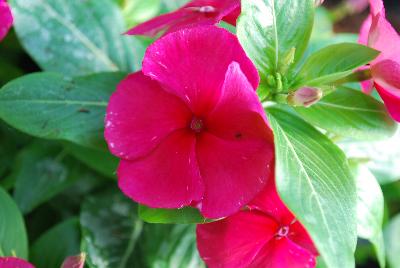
[(13, 238), (369, 209), (323, 34), (42, 171), (159, 215), (350, 113), (50, 106), (110, 230), (381, 157), (332, 63), (76, 37), (101, 161), (166, 246), (61, 241), (392, 242), (269, 31), (314, 181)]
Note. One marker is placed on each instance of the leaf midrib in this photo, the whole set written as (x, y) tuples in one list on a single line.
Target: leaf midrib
[(84, 40), (308, 180), (343, 107), (62, 102)]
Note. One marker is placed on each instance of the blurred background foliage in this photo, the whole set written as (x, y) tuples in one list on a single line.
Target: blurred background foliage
[(67, 193)]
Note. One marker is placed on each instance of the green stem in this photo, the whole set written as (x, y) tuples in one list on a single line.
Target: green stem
[(357, 76)]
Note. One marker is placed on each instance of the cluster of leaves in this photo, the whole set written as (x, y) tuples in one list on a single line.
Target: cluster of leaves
[(65, 199)]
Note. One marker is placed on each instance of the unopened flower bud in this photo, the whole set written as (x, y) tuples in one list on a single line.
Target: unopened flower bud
[(305, 96), (77, 261)]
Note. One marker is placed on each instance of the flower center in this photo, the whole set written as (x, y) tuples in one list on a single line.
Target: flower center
[(283, 231), (197, 124)]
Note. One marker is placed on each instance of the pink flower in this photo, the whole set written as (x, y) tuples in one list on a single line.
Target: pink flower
[(6, 19), (190, 129), (266, 234), (378, 33), (195, 13), (12, 262)]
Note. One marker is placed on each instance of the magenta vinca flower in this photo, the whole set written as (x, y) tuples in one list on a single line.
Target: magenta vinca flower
[(6, 19), (190, 129), (195, 13), (265, 234), (379, 34), (13, 262)]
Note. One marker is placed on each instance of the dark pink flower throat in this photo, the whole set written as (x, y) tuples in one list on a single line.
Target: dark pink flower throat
[(197, 124)]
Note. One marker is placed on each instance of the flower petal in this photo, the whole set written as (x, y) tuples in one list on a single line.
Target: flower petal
[(6, 19), (232, 17), (190, 15), (269, 202), (376, 7), (161, 23), (387, 72), (233, 172), (236, 153), (391, 97), (384, 38), (282, 252), (140, 115), (235, 241), (192, 64), (299, 235), (166, 178), (364, 31), (12, 262), (239, 114)]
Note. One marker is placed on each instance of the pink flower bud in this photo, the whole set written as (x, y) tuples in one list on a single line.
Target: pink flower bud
[(77, 261), (305, 96)]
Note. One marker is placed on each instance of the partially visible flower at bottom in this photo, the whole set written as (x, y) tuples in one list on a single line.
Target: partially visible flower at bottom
[(266, 234), (13, 262), (6, 19)]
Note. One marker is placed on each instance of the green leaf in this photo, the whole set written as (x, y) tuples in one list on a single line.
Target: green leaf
[(165, 246), (381, 157), (50, 106), (314, 181), (13, 238), (350, 113), (76, 37), (42, 171), (392, 242), (370, 207), (182, 215), (332, 63), (101, 161), (269, 30), (61, 241), (110, 230), (323, 34)]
